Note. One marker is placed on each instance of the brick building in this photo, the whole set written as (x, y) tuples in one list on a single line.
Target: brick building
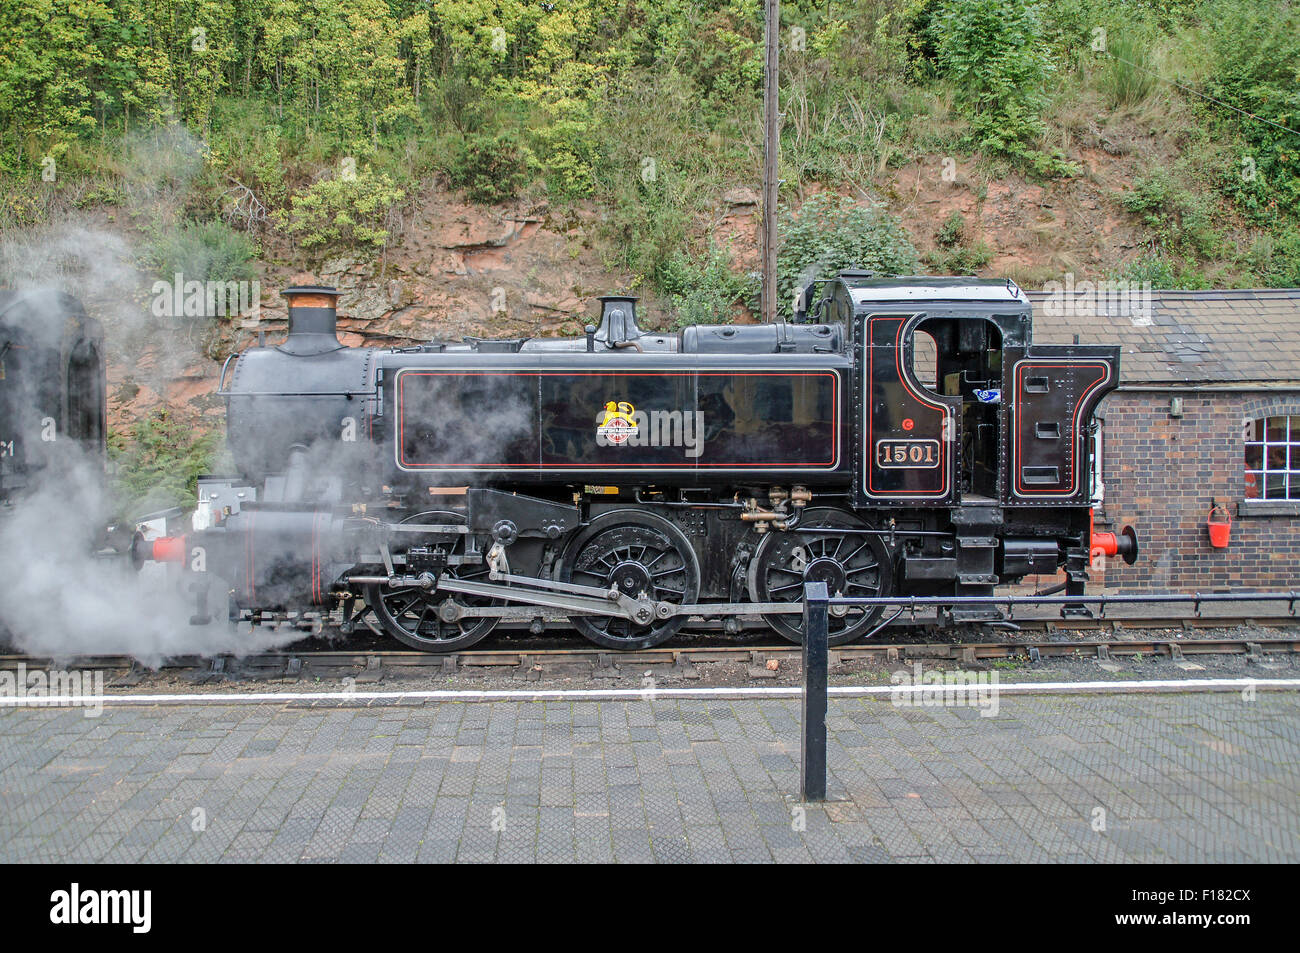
[(1207, 413)]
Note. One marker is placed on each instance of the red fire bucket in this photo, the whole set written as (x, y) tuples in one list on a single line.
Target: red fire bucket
[(1220, 530)]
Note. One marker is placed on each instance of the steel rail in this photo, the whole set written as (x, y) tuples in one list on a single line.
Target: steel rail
[(953, 651)]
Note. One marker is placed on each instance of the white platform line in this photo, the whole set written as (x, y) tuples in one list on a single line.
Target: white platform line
[(647, 694)]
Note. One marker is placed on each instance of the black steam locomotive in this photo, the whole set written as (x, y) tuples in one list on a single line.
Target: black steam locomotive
[(902, 435), (52, 389)]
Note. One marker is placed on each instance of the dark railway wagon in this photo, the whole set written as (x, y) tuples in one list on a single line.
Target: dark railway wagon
[(903, 435)]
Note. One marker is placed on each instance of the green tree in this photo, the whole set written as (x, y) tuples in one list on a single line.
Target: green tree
[(54, 59), (993, 52)]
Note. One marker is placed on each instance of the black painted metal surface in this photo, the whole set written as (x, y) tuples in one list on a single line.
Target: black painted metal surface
[(815, 622)]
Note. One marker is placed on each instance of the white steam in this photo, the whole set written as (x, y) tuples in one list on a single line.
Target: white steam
[(57, 598)]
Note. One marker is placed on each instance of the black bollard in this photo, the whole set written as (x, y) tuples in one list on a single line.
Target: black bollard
[(815, 615)]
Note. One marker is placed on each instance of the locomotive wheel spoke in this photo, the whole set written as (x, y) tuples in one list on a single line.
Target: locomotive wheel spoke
[(651, 563), (848, 564), (406, 608)]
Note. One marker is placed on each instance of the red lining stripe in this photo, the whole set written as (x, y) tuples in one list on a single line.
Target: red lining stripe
[(401, 420), (1074, 424), (870, 453)]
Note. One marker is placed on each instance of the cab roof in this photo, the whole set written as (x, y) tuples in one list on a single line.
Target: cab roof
[(866, 289)]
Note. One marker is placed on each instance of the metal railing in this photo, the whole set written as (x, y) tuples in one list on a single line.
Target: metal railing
[(1009, 602), (816, 622)]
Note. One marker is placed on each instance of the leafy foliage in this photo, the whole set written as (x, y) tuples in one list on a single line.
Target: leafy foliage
[(492, 168), (704, 290), (158, 461), (343, 211), (952, 230), (961, 259), (828, 234), (1257, 68), (576, 96), (207, 251), (993, 53), (1282, 267), (1165, 272), (1180, 220)]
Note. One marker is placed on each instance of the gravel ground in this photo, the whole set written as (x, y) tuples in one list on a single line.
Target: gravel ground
[(581, 672)]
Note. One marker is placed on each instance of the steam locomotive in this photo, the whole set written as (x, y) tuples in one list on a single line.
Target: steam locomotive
[(52, 388), (900, 436)]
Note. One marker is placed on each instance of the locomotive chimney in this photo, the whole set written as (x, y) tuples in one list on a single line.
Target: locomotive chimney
[(618, 327), (313, 320)]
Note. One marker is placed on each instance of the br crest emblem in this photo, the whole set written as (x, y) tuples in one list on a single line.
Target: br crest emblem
[(618, 425)]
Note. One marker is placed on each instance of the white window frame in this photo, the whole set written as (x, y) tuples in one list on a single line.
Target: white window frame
[(1290, 444), (1098, 483)]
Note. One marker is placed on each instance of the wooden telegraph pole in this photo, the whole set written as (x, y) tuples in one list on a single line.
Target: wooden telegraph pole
[(771, 149)]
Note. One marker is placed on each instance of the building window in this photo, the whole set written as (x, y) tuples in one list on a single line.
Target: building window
[(1273, 458)]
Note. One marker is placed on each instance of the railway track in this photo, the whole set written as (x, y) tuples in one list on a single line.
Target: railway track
[(762, 660)]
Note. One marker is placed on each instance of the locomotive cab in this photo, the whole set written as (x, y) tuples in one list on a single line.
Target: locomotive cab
[(962, 358), (969, 428)]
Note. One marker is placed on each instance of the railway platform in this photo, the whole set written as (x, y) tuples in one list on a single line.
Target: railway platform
[(1143, 777)]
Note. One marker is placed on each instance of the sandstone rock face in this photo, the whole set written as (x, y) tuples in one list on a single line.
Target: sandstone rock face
[(453, 270), (741, 197)]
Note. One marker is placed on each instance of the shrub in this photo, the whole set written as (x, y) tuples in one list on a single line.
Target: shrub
[(492, 168), (158, 462), (1283, 267), (952, 230), (648, 223), (202, 251), (1164, 273), (1256, 52), (343, 212), (703, 290), (1181, 220), (992, 51), (248, 150), (961, 259), (918, 18), (829, 233)]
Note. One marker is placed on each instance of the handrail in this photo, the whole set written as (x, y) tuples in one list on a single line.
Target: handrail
[(221, 382), (1196, 597)]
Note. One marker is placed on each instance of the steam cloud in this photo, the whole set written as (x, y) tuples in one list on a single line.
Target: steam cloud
[(57, 598)]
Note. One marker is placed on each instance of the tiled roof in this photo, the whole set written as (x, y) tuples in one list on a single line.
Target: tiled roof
[(1187, 337)]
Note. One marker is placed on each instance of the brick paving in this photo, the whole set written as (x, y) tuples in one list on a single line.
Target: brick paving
[(1187, 778)]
